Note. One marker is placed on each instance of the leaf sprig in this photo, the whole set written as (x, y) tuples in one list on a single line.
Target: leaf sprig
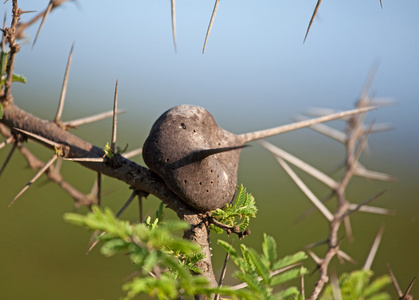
[(236, 215)]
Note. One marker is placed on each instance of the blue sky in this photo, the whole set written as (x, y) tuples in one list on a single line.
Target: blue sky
[(255, 58)]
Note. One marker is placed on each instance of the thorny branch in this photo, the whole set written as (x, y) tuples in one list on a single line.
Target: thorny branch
[(144, 181)]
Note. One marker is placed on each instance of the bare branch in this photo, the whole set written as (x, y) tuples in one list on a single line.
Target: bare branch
[(64, 86)]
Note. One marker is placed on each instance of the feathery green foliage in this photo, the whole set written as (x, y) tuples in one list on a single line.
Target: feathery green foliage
[(356, 285), (262, 272), (162, 258), (237, 214)]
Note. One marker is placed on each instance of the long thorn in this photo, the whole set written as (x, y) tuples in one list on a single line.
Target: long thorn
[(115, 105), (214, 11), (39, 138), (91, 119), (64, 87), (358, 206), (261, 134), (223, 271), (99, 188), (47, 11), (374, 248), (173, 12), (320, 206), (133, 153), (312, 18), (334, 282), (8, 158), (117, 215), (394, 280), (133, 194), (300, 164), (407, 295), (40, 172)]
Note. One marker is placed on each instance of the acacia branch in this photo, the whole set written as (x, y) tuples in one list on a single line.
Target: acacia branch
[(136, 176)]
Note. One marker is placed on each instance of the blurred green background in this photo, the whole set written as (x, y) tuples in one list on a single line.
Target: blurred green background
[(256, 73)]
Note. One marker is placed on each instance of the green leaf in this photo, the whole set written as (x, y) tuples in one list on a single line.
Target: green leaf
[(1, 111), (377, 285), (269, 248), (260, 266), (18, 78), (289, 260)]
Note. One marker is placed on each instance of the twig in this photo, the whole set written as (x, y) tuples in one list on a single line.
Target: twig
[(64, 86), (40, 172), (214, 11)]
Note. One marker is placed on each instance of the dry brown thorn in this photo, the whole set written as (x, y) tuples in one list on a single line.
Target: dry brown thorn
[(374, 248), (312, 18), (358, 207), (334, 283), (223, 271), (257, 135), (300, 164), (372, 209), (91, 119), (406, 295), (12, 150), (133, 153), (214, 11), (394, 280), (44, 17), (6, 141), (39, 138), (115, 108), (64, 87), (173, 13), (310, 195)]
